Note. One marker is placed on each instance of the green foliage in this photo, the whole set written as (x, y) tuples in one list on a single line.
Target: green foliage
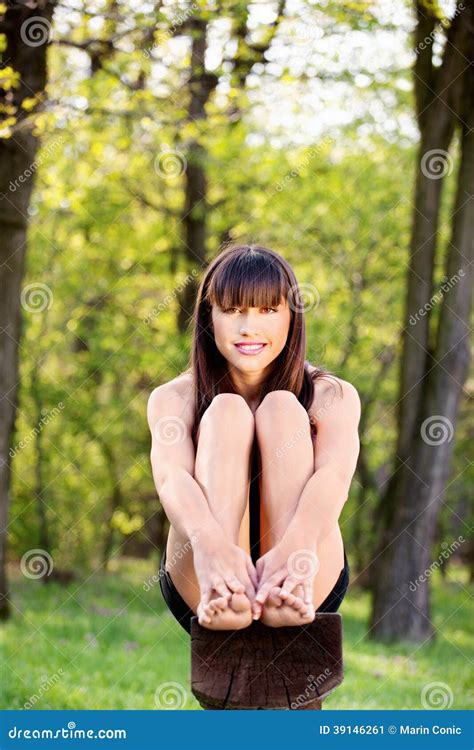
[(106, 239), (339, 215)]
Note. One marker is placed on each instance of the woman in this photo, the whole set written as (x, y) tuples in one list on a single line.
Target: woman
[(234, 452)]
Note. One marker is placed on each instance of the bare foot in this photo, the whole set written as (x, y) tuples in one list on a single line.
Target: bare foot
[(234, 613), (278, 612)]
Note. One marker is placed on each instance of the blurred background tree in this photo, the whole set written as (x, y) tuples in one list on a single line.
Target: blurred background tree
[(171, 130)]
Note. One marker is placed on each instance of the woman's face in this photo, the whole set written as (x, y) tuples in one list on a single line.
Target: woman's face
[(267, 326)]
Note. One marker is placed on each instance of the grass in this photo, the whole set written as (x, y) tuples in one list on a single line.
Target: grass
[(106, 643)]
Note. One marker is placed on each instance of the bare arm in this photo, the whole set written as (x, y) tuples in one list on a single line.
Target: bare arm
[(323, 496), (337, 449), (172, 459), (219, 564)]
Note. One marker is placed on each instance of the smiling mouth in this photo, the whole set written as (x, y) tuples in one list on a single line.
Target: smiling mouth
[(250, 348)]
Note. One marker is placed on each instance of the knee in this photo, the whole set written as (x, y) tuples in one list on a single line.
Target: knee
[(279, 405), (230, 407)]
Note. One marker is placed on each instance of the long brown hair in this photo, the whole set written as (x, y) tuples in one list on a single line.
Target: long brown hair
[(249, 276)]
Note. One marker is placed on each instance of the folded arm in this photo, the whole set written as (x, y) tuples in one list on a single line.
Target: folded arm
[(172, 459), (219, 564), (336, 452)]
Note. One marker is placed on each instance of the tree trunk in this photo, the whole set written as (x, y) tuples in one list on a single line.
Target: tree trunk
[(115, 496), (116, 500), (44, 541), (432, 380), (17, 156), (201, 85)]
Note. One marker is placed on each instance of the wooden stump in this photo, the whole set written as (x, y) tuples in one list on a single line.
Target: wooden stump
[(267, 668)]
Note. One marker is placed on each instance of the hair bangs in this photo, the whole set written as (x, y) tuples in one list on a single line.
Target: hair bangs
[(252, 279), (249, 276)]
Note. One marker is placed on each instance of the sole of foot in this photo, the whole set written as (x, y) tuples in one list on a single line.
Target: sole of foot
[(226, 614), (278, 612)]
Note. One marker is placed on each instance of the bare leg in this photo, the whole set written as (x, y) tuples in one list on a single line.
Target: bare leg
[(222, 464), (222, 469), (287, 456)]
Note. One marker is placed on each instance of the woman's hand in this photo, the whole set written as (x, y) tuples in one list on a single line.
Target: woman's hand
[(225, 567), (291, 562)]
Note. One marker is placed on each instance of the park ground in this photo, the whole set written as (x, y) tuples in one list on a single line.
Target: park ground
[(105, 642)]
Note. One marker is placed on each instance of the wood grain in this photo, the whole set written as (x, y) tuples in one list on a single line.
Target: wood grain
[(259, 667)]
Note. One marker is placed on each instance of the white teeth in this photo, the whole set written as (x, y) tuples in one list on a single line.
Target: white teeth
[(250, 346)]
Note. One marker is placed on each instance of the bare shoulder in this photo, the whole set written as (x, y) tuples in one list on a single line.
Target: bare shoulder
[(333, 395), (174, 398), (170, 414), (336, 412)]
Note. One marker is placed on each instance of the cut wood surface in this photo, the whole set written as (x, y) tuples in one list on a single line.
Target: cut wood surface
[(267, 668)]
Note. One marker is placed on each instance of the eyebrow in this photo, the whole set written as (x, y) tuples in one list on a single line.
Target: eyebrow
[(264, 304)]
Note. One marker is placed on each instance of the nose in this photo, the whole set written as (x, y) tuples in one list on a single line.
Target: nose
[(248, 324)]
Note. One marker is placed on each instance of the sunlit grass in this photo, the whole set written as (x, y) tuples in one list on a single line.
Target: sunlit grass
[(106, 643)]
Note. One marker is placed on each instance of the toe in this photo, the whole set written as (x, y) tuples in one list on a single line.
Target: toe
[(308, 612), (274, 598), (240, 603), (203, 617)]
